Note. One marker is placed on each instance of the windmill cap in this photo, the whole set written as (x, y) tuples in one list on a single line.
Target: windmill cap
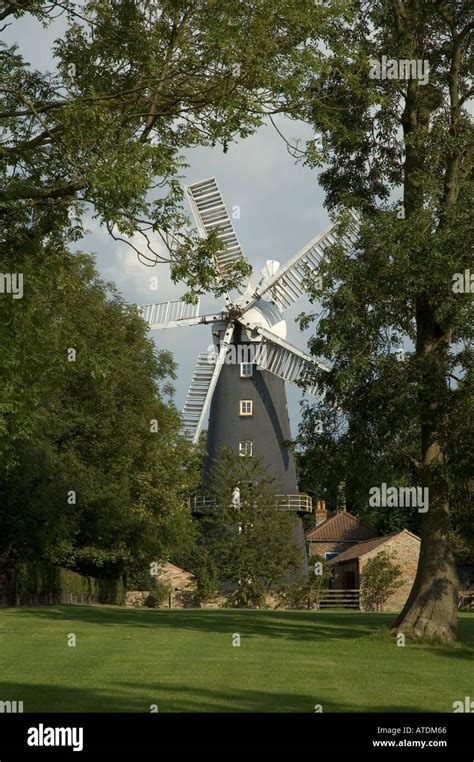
[(268, 316)]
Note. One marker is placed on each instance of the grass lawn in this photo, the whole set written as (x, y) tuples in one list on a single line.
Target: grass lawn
[(184, 661)]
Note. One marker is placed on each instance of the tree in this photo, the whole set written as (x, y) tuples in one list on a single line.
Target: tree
[(94, 472), (308, 593), (137, 83), (252, 542), (197, 558), (395, 323), (379, 579)]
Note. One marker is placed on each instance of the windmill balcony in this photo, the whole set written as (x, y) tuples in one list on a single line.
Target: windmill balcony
[(299, 503)]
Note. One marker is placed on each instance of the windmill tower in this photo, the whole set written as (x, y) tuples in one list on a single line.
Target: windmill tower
[(242, 383)]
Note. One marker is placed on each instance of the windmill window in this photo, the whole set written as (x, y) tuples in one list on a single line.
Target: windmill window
[(246, 370), (245, 448), (246, 407)]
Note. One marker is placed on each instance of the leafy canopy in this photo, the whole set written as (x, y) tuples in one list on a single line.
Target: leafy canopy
[(93, 469), (136, 84)]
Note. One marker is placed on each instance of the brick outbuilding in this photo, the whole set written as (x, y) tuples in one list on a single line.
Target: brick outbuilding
[(335, 534), (404, 549), (181, 583)]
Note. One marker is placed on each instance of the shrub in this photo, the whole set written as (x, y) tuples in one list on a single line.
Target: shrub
[(158, 596), (32, 584), (307, 593), (111, 591), (379, 580), (247, 595)]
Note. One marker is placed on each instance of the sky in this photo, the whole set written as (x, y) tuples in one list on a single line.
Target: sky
[(281, 209)]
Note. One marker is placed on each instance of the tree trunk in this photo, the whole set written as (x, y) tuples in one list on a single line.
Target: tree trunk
[(431, 608)]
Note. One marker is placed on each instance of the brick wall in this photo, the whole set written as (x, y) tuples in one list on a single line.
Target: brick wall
[(177, 578), (340, 569), (320, 548), (181, 583), (404, 549)]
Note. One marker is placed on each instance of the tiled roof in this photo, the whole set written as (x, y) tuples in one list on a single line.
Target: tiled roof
[(169, 569), (361, 548), (342, 527)]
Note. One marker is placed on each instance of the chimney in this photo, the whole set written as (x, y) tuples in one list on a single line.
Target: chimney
[(320, 513)]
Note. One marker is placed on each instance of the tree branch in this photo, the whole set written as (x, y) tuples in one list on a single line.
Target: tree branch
[(38, 140), (41, 193)]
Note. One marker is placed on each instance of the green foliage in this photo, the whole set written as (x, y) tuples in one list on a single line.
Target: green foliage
[(158, 596), (39, 582), (196, 557), (379, 579), (250, 541), (401, 154), (206, 573), (74, 584), (306, 594), (137, 84), (86, 482), (111, 591)]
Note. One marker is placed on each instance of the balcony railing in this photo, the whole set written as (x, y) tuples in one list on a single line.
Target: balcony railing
[(202, 504), (299, 503)]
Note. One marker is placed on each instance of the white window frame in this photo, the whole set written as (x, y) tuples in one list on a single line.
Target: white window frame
[(246, 407), (245, 367), (244, 446)]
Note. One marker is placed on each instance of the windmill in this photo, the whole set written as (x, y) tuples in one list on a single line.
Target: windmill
[(242, 383)]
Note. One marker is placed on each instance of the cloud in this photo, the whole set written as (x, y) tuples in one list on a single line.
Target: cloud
[(280, 210)]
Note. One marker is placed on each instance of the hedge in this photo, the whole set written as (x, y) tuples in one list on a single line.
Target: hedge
[(36, 584)]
